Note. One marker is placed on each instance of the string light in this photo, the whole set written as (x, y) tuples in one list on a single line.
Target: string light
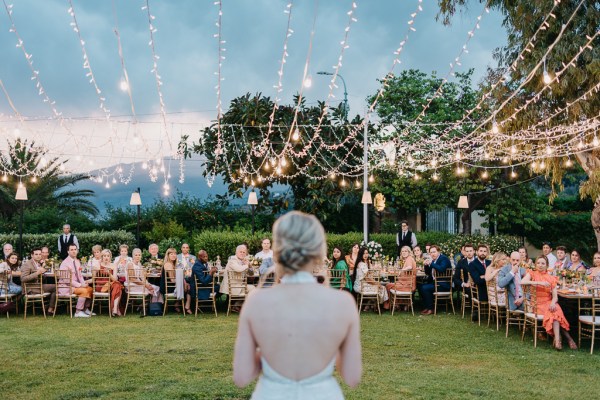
[(484, 174)]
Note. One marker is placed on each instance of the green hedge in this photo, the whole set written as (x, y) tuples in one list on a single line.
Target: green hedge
[(108, 240), (223, 243)]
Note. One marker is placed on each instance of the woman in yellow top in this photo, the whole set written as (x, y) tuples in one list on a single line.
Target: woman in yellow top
[(554, 321)]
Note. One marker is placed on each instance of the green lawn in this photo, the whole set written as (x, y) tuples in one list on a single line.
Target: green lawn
[(434, 357)]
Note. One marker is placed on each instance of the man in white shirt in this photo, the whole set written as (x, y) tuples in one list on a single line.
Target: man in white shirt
[(562, 258), (266, 251), (547, 251), (185, 259), (405, 237), (66, 239)]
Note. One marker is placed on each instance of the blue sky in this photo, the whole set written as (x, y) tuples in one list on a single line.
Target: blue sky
[(254, 32)]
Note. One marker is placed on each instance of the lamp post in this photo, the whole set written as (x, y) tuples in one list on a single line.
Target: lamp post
[(366, 200), (22, 197), (346, 106), (136, 200), (253, 202)]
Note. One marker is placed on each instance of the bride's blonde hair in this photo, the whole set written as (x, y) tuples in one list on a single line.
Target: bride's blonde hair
[(298, 241)]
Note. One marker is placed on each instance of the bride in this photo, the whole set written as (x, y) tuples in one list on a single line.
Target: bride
[(293, 333)]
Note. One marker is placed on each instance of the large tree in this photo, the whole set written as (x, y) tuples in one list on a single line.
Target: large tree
[(47, 186), (248, 158), (522, 19)]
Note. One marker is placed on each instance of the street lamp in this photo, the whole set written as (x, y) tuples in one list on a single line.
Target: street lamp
[(136, 200), (366, 200), (253, 202), (346, 106), (22, 197)]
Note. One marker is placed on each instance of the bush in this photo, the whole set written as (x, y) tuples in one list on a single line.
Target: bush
[(223, 243), (165, 231), (109, 240)]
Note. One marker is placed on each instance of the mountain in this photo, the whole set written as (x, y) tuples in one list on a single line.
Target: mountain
[(119, 194)]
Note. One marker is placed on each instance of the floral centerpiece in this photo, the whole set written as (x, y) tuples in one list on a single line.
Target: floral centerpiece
[(375, 250), (53, 262), (153, 263)]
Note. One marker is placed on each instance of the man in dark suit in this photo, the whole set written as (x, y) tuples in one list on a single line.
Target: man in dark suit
[(477, 269), (463, 266), (204, 276), (439, 263)]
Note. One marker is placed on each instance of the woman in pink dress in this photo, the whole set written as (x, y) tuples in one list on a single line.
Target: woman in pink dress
[(547, 302)]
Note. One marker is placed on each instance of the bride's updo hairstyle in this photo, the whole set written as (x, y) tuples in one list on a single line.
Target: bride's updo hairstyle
[(298, 241)]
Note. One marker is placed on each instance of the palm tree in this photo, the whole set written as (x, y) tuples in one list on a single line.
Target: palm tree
[(47, 186)]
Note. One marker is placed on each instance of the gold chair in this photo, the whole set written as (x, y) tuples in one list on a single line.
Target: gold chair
[(6, 297), (496, 309), (99, 280), (170, 295), (476, 303), (36, 298), (442, 282), (404, 296), (590, 324), (212, 295), (337, 278), (238, 287), (531, 315), (370, 289), (63, 282), (136, 288), (465, 295)]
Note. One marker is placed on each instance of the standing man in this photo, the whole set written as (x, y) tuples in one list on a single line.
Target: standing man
[(32, 272), (405, 237), (477, 269), (65, 240)]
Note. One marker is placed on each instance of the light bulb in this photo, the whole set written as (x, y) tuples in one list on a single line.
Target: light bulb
[(296, 135), (20, 185), (568, 163), (542, 165), (123, 85), (457, 155), (166, 186), (252, 182), (283, 162), (4, 178), (357, 183), (513, 174), (595, 141), (278, 170), (549, 150), (114, 181), (332, 176), (534, 165), (513, 149), (484, 174), (266, 167), (34, 179), (166, 192), (343, 182), (434, 162), (435, 176), (458, 170), (580, 145), (107, 185), (505, 160), (308, 81), (417, 177), (371, 179), (245, 179), (547, 78), (259, 179), (495, 128), (145, 165)]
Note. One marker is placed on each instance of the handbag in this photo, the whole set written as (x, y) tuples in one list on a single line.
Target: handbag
[(155, 309), (7, 307)]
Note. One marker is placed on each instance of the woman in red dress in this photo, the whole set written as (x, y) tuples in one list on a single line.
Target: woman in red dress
[(547, 302)]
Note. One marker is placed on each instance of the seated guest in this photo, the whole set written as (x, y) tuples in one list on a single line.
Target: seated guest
[(32, 273), (594, 272), (419, 260), (185, 259), (153, 250), (120, 261), (499, 260), (435, 262), (135, 285), (45, 256), (94, 261), (203, 275), (110, 284), (404, 283), (266, 251), (7, 250), (477, 271), (547, 251), (462, 266), (352, 258), (168, 272), (81, 287), (576, 264), (10, 268), (265, 264), (509, 278), (362, 283), (562, 258), (338, 262), (554, 321), (237, 263), (525, 260)]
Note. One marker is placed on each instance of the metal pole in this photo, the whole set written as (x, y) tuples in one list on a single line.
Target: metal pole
[(21, 229), (253, 208), (138, 221), (366, 180), (346, 107)]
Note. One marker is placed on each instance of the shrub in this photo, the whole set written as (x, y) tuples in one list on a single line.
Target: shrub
[(109, 240), (223, 243), (165, 231)]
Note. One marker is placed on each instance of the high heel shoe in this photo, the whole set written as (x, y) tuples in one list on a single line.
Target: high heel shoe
[(557, 344), (188, 311), (572, 345)]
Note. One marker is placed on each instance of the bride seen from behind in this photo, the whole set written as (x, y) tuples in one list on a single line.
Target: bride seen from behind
[(292, 333)]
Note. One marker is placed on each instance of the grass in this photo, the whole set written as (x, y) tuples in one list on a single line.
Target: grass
[(434, 357)]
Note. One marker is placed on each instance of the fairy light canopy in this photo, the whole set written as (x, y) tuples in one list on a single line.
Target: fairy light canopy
[(131, 78)]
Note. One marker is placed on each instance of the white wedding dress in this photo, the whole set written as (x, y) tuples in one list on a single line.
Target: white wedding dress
[(272, 385)]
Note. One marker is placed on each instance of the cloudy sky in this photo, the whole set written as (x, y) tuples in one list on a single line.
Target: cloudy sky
[(254, 32)]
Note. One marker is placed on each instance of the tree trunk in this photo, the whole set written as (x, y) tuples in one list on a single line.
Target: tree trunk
[(590, 164)]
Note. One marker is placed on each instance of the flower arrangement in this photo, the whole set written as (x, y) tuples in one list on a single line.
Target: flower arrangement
[(374, 248)]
